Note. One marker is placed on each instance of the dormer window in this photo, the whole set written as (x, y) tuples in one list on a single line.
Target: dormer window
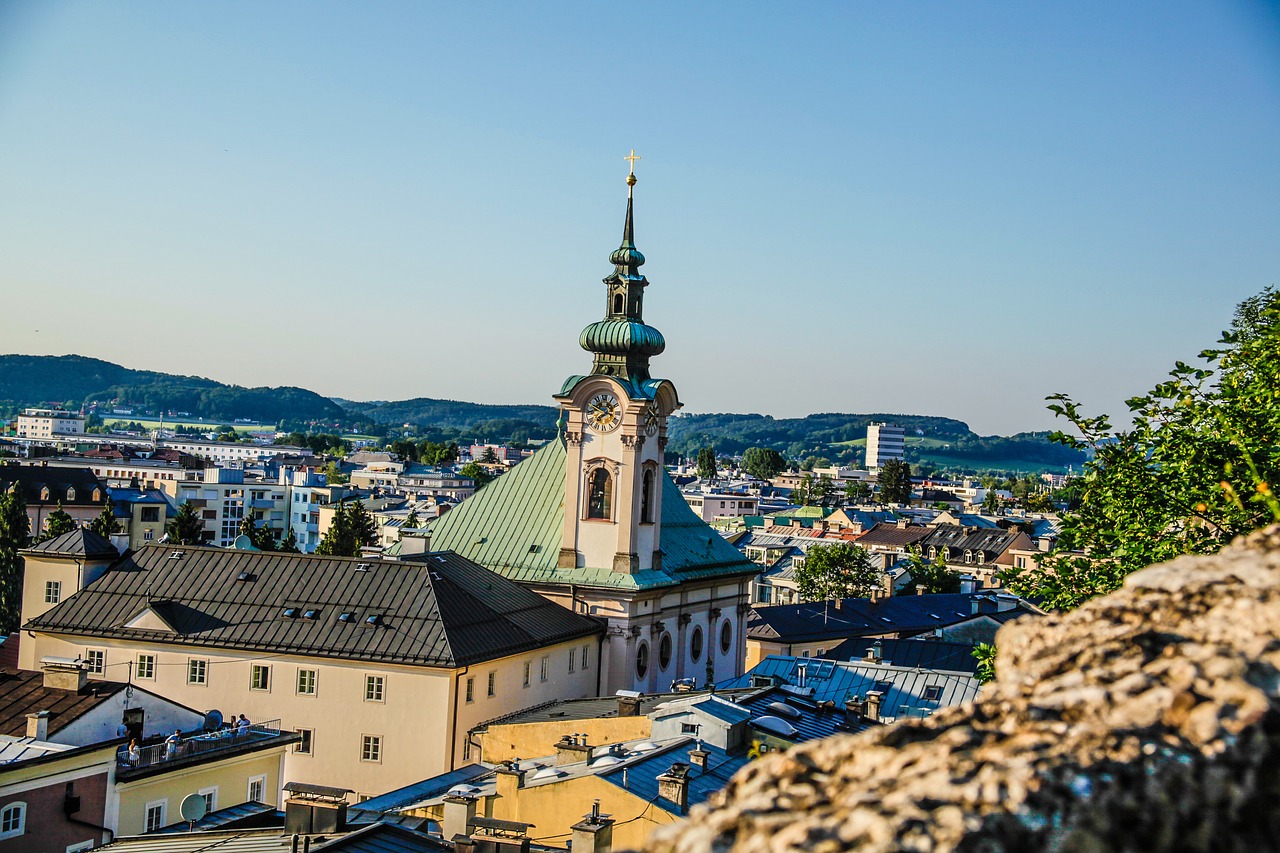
[(968, 556), (97, 495), (44, 493), (71, 494)]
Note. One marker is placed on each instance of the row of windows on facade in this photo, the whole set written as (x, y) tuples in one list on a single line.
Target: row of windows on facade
[(979, 557), (695, 648), (600, 495), (370, 745), (46, 495), (157, 811), (307, 681)]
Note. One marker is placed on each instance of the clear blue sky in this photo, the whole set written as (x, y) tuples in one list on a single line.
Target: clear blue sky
[(949, 209)]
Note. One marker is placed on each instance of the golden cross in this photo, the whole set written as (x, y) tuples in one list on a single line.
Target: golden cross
[(633, 157)]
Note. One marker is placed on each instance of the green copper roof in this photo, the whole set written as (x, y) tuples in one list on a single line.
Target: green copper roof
[(622, 337), (513, 526)]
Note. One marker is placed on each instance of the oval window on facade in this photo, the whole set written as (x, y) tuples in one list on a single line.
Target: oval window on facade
[(695, 644), (642, 660), (664, 652), (726, 636)]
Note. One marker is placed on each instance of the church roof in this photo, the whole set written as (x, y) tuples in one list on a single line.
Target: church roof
[(513, 526)]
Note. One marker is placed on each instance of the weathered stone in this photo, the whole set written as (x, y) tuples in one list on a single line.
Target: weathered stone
[(1147, 720)]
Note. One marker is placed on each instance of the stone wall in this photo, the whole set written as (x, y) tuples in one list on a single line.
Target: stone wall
[(1145, 720)]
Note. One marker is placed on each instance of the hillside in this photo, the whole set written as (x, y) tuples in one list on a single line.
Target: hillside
[(75, 380)]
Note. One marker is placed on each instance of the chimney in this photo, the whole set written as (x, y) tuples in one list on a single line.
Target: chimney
[(570, 751), (458, 812), (902, 524), (674, 786), (64, 673), (594, 833), (968, 584), (920, 588), (698, 757), (510, 780), (628, 706), (855, 708), (38, 725), (874, 652), (873, 705)]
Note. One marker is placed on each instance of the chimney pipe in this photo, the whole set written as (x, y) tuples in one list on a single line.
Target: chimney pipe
[(874, 698), (458, 813), (38, 725), (594, 833), (698, 757), (673, 786)]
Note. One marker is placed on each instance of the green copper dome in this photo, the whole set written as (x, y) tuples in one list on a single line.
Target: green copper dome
[(622, 337)]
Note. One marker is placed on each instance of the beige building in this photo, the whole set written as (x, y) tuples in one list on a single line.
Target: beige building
[(225, 497), (46, 423), (381, 667)]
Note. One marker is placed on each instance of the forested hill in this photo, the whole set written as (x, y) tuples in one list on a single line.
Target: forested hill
[(73, 380), (451, 414)]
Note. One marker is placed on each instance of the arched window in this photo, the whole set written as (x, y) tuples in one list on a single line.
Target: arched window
[(695, 644), (933, 553), (664, 652), (646, 494), (968, 556), (726, 636), (71, 493), (599, 494), (44, 493), (13, 820), (617, 303), (642, 660)]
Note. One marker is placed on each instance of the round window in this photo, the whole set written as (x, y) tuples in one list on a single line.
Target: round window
[(642, 660), (695, 644), (664, 652), (726, 635)]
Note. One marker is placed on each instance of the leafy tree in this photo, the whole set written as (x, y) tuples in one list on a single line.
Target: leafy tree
[(934, 576), (895, 482), (334, 475), (262, 538), (405, 449), (763, 463), (707, 463), (858, 491), (437, 454), (104, 523), (836, 571), (477, 473), (986, 655), (802, 494), (352, 528), (1039, 502), (821, 488), (58, 523), (991, 503), (15, 530), (364, 529), (411, 522), (1194, 470), (186, 528)]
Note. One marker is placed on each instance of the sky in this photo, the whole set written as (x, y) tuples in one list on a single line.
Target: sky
[(951, 209)]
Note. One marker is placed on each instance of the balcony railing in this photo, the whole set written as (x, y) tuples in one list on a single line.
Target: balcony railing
[(193, 744)]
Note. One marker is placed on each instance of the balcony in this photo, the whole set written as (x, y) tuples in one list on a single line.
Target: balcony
[(199, 746)]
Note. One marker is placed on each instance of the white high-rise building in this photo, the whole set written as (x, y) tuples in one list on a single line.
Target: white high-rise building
[(884, 442)]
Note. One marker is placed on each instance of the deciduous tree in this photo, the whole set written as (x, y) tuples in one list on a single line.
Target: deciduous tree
[(763, 463), (836, 571), (934, 576), (57, 523), (707, 463)]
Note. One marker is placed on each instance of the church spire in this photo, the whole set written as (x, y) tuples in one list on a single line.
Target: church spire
[(621, 342)]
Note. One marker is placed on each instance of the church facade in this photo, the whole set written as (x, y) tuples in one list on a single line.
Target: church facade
[(593, 522)]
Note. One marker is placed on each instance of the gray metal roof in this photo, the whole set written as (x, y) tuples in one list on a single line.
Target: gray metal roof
[(439, 609), (81, 542)]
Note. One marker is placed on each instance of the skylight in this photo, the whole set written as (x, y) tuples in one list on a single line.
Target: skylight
[(290, 613), (311, 614), (347, 616)]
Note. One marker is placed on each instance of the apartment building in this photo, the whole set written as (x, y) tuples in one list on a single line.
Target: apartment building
[(47, 423), (884, 442)]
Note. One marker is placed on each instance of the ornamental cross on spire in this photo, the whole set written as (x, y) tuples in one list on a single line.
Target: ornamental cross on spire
[(633, 157)]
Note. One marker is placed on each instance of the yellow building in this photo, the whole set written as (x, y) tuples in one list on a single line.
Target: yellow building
[(380, 666)]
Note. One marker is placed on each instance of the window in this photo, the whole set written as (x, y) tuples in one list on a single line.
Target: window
[(546, 665), (883, 686), (695, 644), (617, 303), (197, 671), (493, 677), (148, 535), (370, 747), (13, 820), (150, 514), (471, 689), (726, 636), (805, 653), (599, 494), (147, 666), (585, 652), (97, 661), (155, 814), (573, 660), (528, 667), (303, 747), (664, 652), (306, 682), (374, 688), (257, 789), (259, 677), (52, 592), (642, 660), (933, 693), (81, 846), (689, 728), (210, 798), (646, 505)]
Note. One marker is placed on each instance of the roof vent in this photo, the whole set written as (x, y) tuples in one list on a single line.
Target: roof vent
[(177, 555), (362, 567), (346, 616), (785, 710), (246, 576)]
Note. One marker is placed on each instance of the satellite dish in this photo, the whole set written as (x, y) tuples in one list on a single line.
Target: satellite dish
[(193, 807), (212, 722)]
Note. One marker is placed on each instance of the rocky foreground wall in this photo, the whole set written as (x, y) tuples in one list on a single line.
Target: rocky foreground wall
[(1146, 720)]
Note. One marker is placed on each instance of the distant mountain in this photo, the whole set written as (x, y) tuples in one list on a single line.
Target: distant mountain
[(75, 380), (455, 414)]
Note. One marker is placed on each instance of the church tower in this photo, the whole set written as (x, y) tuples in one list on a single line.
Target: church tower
[(617, 427)]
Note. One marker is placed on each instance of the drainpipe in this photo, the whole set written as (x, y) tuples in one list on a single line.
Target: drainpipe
[(453, 732)]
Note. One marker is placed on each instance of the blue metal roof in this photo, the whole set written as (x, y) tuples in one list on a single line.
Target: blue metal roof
[(427, 788), (641, 777)]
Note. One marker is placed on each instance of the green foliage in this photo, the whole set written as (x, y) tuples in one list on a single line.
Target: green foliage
[(289, 545), (707, 463), (839, 570), (935, 576), (15, 530), (476, 472), (986, 655), (763, 463), (412, 522), (489, 457), (185, 528), (858, 491), (263, 538), (352, 528), (1195, 470), (334, 475), (405, 449), (1039, 502), (437, 454), (991, 503), (104, 523), (57, 523), (894, 481)]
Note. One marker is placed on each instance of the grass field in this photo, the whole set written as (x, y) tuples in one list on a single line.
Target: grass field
[(186, 423)]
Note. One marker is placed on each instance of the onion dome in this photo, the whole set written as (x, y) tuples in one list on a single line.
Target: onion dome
[(622, 337)]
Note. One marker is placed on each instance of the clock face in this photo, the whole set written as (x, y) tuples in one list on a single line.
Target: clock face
[(652, 419), (603, 412)]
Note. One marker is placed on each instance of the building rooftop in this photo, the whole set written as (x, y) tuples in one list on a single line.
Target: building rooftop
[(435, 609), (71, 486), (922, 654), (81, 542), (23, 692)]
